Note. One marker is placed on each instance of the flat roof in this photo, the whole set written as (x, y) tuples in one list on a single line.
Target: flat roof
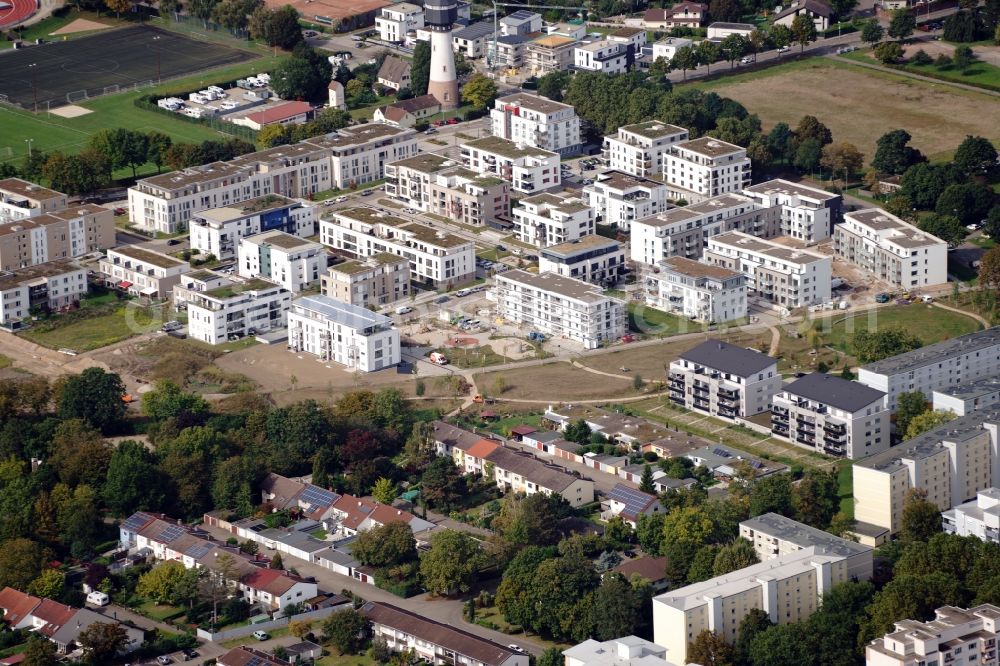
[(710, 146), (281, 239), (564, 286), (28, 190), (901, 233), (356, 135), (972, 390), (696, 269), (564, 203), (704, 208), (623, 181), (742, 241), (255, 206), (352, 316), (733, 26), (237, 288), (148, 256), (494, 144), (724, 357), (426, 163), (48, 269), (803, 536), (935, 353), (782, 186), (653, 129), (534, 102), (582, 244)]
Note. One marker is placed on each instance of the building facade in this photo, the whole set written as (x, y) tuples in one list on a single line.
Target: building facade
[(807, 213), (435, 184), (290, 261), (592, 258), (967, 398), (236, 309), (379, 280), (528, 170), (536, 121), (619, 198), (708, 294), (350, 335), (703, 168), (142, 271), (66, 233), (954, 636), (20, 199), (604, 56), (396, 21), (551, 53), (550, 219), (43, 288), (979, 518), (639, 149), (217, 231), (723, 380)]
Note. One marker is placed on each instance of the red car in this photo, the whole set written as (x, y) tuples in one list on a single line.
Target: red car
[(453, 121), (628, 338)]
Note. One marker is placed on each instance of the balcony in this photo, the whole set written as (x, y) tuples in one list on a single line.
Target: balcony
[(805, 438), (835, 428)]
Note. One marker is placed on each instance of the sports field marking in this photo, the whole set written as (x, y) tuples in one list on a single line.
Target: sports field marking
[(80, 25), (71, 111)]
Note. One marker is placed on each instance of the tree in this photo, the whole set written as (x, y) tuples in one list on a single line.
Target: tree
[(284, 30), (441, 483), (21, 561), (888, 52), (552, 85), (167, 583), (270, 136), (276, 562), (724, 10), (816, 498), (975, 155), (969, 202), (615, 609), (94, 396), (781, 36), (963, 58), (780, 141), (646, 481), (893, 154), (989, 268), (902, 25), (82, 173), (921, 519), (384, 491), (929, 420), (843, 158), (79, 520), (709, 649), (577, 431), (734, 47), (946, 227), (122, 147), (385, 545), (451, 563), (345, 630), (707, 53), (804, 31), (810, 127), (479, 91), (734, 556), (909, 404), (118, 6), (753, 624), (157, 144), (40, 651), (133, 481), (101, 641), (420, 68), (551, 657), (771, 494), (684, 59), (871, 346), (300, 78), (872, 32), (50, 584), (808, 156)]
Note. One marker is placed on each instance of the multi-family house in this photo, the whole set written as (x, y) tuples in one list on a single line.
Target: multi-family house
[(967, 398), (378, 280), (527, 169), (618, 198), (625, 651), (436, 184), (979, 518), (954, 636), (639, 149), (723, 380), (604, 56), (475, 40), (43, 288), (807, 213), (709, 294), (65, 233), (668, 47), (706, 167), (591, 258), (350, 335), (550, 219), (521, 22), (235, 309), (290, 261), (217, 231), (682, 15), (551, 53), (536, 121), (395, 22), (20, 199), (142, 271)]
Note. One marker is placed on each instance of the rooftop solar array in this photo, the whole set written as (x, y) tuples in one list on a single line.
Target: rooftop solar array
[(199, 551), (634, 500), (256, 660), (135, 521), (316, 496), (171, 532), (722, 453), (352, 316)]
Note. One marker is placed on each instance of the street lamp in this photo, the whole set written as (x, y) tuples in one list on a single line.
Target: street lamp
[(157, 58), (28, 141), (34, 90)]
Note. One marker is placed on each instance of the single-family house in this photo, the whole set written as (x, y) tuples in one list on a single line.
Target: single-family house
[(629, 504), (408, 112)]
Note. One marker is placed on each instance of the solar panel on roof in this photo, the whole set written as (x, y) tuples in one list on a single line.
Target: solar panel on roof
[(135, 521), (199, 551), (317, 496), (756, 464), (171, 532), (254, 660), (634, 500), (722, 452)]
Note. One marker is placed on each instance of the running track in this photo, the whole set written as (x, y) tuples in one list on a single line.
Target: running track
[(18, 11)]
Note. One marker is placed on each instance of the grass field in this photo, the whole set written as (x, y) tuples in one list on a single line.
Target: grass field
[(930, 324), (82, 332), (557, 379), (859, 105)]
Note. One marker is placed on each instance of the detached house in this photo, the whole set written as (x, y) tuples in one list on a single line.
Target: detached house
[(352, 515), (629, 504), (394, 73), (817, 10), (683, 14)]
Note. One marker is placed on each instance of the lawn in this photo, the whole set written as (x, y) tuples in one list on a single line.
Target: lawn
[(650, 321), (92, 328), (845, 488), (557, 382), (158, 612), (472, 357), (929, 323), (346, 660), (5, 362)]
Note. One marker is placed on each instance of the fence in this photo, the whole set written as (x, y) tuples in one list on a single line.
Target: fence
[(281, 623), (148, 103)]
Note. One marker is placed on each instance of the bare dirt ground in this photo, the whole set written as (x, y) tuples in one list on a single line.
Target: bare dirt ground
[(71, 111), (81, 25)]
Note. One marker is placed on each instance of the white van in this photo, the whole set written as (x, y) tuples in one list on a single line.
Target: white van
[(405, 309), (97, 598)]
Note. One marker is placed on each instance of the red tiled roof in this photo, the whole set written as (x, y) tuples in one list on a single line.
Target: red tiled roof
[(13, 659), (523, 430), (280, 112), (273, 581), (16, 604), (482, 448), (358, 509), (54, 614), (653, 569)]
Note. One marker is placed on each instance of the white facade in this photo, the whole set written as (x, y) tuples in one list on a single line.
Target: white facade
[(67, 233), (292, 262), (49, 286), (668, 47), (20, 199), (704, 293), (724, 380), (807, 213), (784, 276), (625, 651), (218, 231), (619, 198), (436, 184), (350, 335), (235, 310), (955, 636), (536, 121), (551, 219), (559, 306), (521, 23), (396, 21), (141, 271), (605, 56), (527, 169), (979, 518), (639, 149), (703, 168), (967, 398), (592, 258)]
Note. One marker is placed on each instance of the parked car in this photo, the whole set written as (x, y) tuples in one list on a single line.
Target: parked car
[(261, 635), (189, 654), (164, 659), (441, 299), (782, 49), (516, 648), (120, 211), (746, 60)]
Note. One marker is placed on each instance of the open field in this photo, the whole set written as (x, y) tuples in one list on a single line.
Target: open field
[(559, 382), (929, 323), (84, 331), (859, 105)]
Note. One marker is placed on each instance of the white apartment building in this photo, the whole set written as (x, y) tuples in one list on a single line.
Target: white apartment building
[(807, 213), (536, 121), (967, 398), (784, 276), (618, 198), (604, 56), (592, 258), (691, 289), (723, 380), (831, 416), (290, 261), (639, 149), (350, 335), (979, 518), (550, 219), (378, 280), (142, 271), (788, 588), (703, 168), (560, 306), (396, 21), (45, 287), (436, 257), (774, 535), (937, 367), (436, 184), (235, 309), (521, 23), (20, 199), (668, 47), (527, 169), (891, 249), (59, 234), (955, 636), (352, 156), (217, 231), (951, 463), (682, 232), (625, 651)]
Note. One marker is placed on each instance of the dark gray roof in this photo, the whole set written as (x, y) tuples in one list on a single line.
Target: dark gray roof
[(834, 391), (475, 31), (814, 6), (511, 39), (725, 357)]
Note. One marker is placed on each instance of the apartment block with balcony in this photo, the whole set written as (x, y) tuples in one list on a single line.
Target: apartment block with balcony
[(639, 149), (529, 170), (560, 306), (604, 56), (831, 416), (619, 198), (235, 309), (41, 288), (691, 289), (967, 398), (536, 121), (551, 53), (142, 271), (891, 250), (955, 636), (592, 258), (724, 380), (774, 536), (807, 213), (20, 199), (67, 233), (979, 518), (379, 280), (436, 258), (703, 168), (217, 231), (292, 262), (683, 232), (350, 335), (551, 219), (396, 21), (436, 184), (783, 276)]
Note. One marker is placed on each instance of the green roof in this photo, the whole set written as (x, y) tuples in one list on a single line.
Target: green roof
[(237, 288)]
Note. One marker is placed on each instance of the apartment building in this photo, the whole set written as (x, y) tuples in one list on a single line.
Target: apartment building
[(536, 121), (67, 233), (42, 288), (550, 219), (788, 588), (967, 398), (20, 199), (784, 276), (954, 636), (807, 213), (396, 21), (436, 258), (682, 232), (290, 261), (709, 294), (951, 463), (639, 149), (702, 168), (521, 22), (475, 40), (618, 198), (235, 309), (831, 416), (633, 39), (723, 380), (350, 335), (625, 651), (604, 56), (774, 535), (668, 47), (142, 271), (511, 50), (378, 280), (592, 258), (979, 518), (437, 184), (560, 306), (527, 169), (217, 231), (891, 250), (937, 367), (551, 53), (349, 157), (516, 471)]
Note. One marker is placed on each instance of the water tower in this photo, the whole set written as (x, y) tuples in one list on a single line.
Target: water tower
[(439, 17)]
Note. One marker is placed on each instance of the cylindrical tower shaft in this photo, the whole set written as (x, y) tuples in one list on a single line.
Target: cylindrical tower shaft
[(443, 83)]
